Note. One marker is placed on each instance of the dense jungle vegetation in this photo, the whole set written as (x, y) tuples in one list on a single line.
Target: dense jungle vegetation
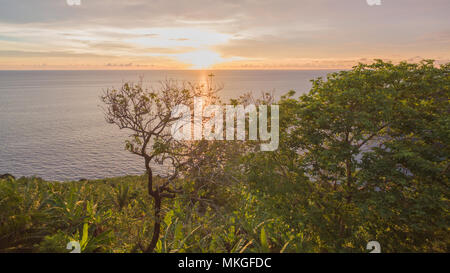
[(363, 156)]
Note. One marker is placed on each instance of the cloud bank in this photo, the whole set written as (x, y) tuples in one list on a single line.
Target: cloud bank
[(222, 34)]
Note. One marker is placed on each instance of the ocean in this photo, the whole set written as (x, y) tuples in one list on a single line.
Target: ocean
[(52, 125)]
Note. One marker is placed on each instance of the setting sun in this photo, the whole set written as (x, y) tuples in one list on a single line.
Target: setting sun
[(201, 59)]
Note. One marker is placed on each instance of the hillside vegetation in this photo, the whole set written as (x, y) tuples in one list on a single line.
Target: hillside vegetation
[(362, 157)]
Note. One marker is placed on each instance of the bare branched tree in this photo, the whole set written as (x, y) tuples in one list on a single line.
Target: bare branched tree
[(147, 114)]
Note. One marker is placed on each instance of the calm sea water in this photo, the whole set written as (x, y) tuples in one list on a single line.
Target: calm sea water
[(52, 126)]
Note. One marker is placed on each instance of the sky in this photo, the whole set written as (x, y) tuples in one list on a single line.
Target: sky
[(220, 34)]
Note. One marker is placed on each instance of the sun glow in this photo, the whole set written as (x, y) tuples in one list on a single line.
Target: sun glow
[(201, 59)]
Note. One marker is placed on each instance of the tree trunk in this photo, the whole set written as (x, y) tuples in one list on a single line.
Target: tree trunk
[(150, 177), (349, 180), (157, 226), (157, 198)]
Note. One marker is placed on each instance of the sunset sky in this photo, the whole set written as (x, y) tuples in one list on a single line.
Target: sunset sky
[(220, 34)]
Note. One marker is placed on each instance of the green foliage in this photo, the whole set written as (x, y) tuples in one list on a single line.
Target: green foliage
[(364, 157)]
